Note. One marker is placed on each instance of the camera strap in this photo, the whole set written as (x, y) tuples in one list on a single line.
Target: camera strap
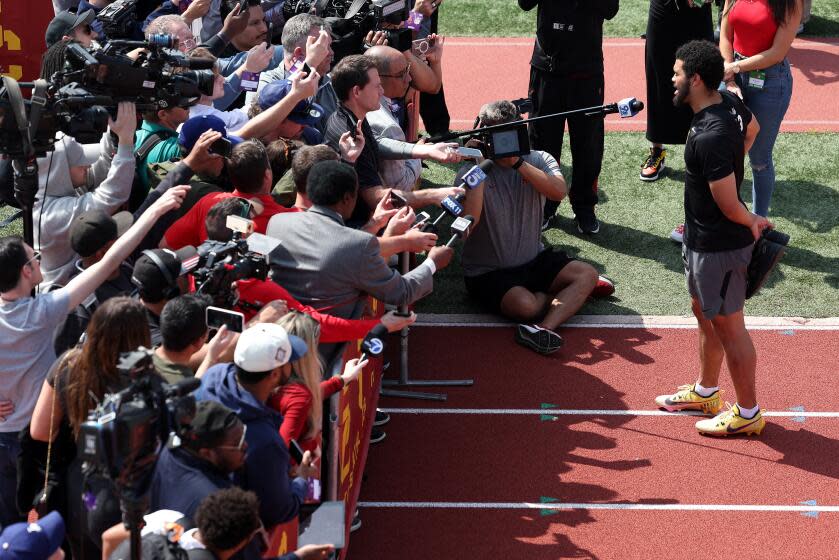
[(38, 102), (354, 8), (19, 112)]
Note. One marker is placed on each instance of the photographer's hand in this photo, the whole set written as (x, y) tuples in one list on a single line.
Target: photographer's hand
[(435, 55), (314, 551), (395, 323), (196, 10), (220, 345), (441, 256), (400, 222), (443, 152), (235, 22), (352, 144), (352, 369), (306, 468), (271, 313), (200, 155), (304, 86), (126, 123), (375, 38), (382, 213), (258, 59), (317, 49)]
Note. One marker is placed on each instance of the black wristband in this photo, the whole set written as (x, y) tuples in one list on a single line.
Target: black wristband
[(518, 163)]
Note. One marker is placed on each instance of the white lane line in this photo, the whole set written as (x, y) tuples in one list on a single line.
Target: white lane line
[(592, 506), (591, 412), (496, 44), (624, 122), (628, 321)]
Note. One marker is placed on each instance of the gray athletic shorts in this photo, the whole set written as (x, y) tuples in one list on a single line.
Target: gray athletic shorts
[(717, 280)]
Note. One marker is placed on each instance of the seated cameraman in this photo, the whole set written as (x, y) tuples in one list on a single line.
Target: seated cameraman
[(91, 235), (505, 266), (64, 181), (358, 86), (262, 362), (306, 40), (250, 172), (211, 448)]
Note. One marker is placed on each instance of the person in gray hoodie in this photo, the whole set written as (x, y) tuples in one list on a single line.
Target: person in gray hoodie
[(67, 187), (261, 363)]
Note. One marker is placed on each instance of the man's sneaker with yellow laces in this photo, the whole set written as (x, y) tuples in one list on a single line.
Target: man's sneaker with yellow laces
[(686, 398), (654, 165), (730, 423)]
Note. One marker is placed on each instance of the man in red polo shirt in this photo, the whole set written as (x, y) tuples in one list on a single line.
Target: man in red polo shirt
[(250, 173)]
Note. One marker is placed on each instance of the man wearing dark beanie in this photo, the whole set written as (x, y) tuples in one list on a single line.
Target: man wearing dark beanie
[(210, 450), (321, 260)]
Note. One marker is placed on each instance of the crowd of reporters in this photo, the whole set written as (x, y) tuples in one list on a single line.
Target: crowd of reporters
[(125, 236)]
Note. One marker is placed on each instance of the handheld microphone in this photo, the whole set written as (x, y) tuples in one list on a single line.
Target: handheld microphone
[(452, 206), (475, 176), (373, 344), (629, 107), (460, 228)]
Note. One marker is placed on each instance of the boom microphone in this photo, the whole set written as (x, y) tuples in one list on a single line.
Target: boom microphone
[(197, 63), (629, 107)]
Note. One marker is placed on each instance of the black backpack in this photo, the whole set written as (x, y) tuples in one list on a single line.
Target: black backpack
[(139, 191)]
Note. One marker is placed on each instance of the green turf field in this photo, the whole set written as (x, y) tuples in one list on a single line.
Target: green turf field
[(633, 249), (503, 18)]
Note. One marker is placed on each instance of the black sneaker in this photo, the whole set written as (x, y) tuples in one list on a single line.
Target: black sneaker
[(377, 435), (382, 418), (768, 250), (548, 223), (539, 340), (587, 223), (355, 525)]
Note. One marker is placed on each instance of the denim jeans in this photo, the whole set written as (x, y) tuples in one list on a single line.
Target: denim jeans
[(768, 105), (9, 450)]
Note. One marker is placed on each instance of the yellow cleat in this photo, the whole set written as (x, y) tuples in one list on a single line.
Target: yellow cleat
[(730, 423), (688, 399)]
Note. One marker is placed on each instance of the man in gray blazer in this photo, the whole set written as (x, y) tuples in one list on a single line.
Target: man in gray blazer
[(332, 267)]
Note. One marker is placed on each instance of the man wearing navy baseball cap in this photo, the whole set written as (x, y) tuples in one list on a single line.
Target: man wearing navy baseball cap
[(261, 363), (70, 25), (300, 124), (34, 541)]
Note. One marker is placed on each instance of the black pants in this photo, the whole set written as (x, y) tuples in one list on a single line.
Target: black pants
[(433, 110), (554, 94)]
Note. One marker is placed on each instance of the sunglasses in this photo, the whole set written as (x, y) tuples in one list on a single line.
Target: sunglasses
[(399, 76), (36, 256)]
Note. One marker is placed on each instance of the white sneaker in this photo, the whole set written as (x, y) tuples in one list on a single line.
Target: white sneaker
[(678, 233)]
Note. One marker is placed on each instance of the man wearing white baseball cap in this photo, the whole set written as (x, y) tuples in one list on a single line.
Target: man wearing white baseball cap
[(261, 363)]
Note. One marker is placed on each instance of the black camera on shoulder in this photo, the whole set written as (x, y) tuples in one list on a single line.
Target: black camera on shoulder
[(351, 20), (120, 18)]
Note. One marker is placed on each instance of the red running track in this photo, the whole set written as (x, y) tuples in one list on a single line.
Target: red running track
[(602, 459), (477, 70)]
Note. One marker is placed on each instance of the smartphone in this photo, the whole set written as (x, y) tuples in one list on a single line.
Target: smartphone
[(422, 47), (216, 317), (470, 152), (296, 451), (222, 147), (421, 218), (183, 5), (397, 199)]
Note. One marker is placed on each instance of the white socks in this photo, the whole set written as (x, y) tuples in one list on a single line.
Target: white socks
[(704, 391), (748, 412)]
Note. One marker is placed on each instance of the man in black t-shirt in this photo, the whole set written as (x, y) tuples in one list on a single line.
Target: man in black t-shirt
[(719, 236)]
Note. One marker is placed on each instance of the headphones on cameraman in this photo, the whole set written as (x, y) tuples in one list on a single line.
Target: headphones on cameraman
[(171, 291)]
